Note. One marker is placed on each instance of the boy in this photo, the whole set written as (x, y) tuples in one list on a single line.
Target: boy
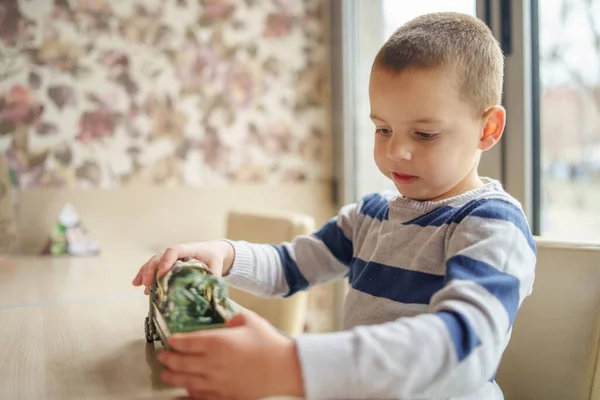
[(437, 272)]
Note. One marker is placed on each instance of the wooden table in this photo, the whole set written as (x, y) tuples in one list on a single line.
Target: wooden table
[(72, 328)]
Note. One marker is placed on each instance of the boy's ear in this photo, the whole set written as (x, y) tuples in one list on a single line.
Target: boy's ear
[(494, 120)]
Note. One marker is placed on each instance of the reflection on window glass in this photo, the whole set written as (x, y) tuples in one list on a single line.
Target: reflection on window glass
[(377, 20), (569, 35)]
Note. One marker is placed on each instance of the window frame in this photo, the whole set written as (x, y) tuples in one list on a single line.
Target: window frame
[(517, 140)]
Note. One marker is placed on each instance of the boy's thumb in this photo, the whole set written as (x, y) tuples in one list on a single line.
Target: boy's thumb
[(215, 264), (241, 318)]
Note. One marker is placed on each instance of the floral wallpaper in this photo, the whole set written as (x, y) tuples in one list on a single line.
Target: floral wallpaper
[(99, 93), (109, 93)]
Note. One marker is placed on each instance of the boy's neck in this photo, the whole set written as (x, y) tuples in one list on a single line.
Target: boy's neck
[(471, 182)]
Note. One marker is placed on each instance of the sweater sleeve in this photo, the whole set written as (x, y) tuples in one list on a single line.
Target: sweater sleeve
[(454, 348), (270, 270)]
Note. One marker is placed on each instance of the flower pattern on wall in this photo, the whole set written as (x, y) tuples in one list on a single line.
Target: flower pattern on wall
[(110, 93), (106, 93)]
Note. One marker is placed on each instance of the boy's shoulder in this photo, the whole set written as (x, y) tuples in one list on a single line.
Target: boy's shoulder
[(494, 210), (491, 201), (376, 204)]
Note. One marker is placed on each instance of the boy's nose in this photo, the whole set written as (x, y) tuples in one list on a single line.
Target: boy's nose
[(398, 149)]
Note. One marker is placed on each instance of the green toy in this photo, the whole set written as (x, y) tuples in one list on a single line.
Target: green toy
[(188, 298)]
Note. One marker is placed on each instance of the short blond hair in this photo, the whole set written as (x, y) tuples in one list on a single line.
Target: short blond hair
[(449, 40)]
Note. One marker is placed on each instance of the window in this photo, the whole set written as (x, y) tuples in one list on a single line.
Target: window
[(569, 119)]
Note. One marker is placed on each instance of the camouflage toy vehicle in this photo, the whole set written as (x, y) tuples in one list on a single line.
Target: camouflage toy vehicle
[(188, 298)]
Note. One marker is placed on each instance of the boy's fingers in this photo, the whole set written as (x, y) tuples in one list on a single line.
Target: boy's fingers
[(149, 270), (240, 318), (137, 281), (213, 264), (195, 383), (183, 363), (191, 343), (168, 259), (172, 254), (200, 342)]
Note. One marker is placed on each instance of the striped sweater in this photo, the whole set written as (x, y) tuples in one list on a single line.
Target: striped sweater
[(434, 291)]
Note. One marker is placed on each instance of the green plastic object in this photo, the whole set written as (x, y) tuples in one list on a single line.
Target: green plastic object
[(69, 236), (188, 298), (13, 177), (58, 240)]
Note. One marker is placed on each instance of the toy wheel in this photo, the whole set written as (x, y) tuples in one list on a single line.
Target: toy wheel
[(149, 330)]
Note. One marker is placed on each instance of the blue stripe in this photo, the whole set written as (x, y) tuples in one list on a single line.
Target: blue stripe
[(337, 243), (394, 283), (375, 206), (500, 210), (483, 208), (294, 278), (438, 217), (463, 336), (504, 286)]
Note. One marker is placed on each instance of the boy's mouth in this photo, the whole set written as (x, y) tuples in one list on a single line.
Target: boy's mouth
[(403, 179)]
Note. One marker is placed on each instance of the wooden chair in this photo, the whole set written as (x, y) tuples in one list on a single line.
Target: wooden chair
[(286, 314), (553, 352)]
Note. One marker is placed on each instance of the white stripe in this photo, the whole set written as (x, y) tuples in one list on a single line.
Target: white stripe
[(410, 247), (485, 312), (315, 261), (361, 229), (257, 269), (346, 219), (497, 243), (365, 309)]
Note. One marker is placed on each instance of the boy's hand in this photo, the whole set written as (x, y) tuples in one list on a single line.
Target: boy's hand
[(248, 360), (217, 254)]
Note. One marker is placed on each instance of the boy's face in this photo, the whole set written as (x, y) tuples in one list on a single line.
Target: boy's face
[(427, 137)]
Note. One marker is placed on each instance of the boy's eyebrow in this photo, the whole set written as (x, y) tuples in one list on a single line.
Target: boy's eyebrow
[(373, 116), (428, 120), (423, 120)]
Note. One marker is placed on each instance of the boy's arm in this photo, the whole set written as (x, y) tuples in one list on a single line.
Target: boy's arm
[(281, 270), (456, 347)]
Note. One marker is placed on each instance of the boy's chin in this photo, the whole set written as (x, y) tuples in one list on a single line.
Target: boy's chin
[(410, 193), (416, 193)]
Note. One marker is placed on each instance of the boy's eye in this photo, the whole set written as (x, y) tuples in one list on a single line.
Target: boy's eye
[(425, 135), (383, 131)]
